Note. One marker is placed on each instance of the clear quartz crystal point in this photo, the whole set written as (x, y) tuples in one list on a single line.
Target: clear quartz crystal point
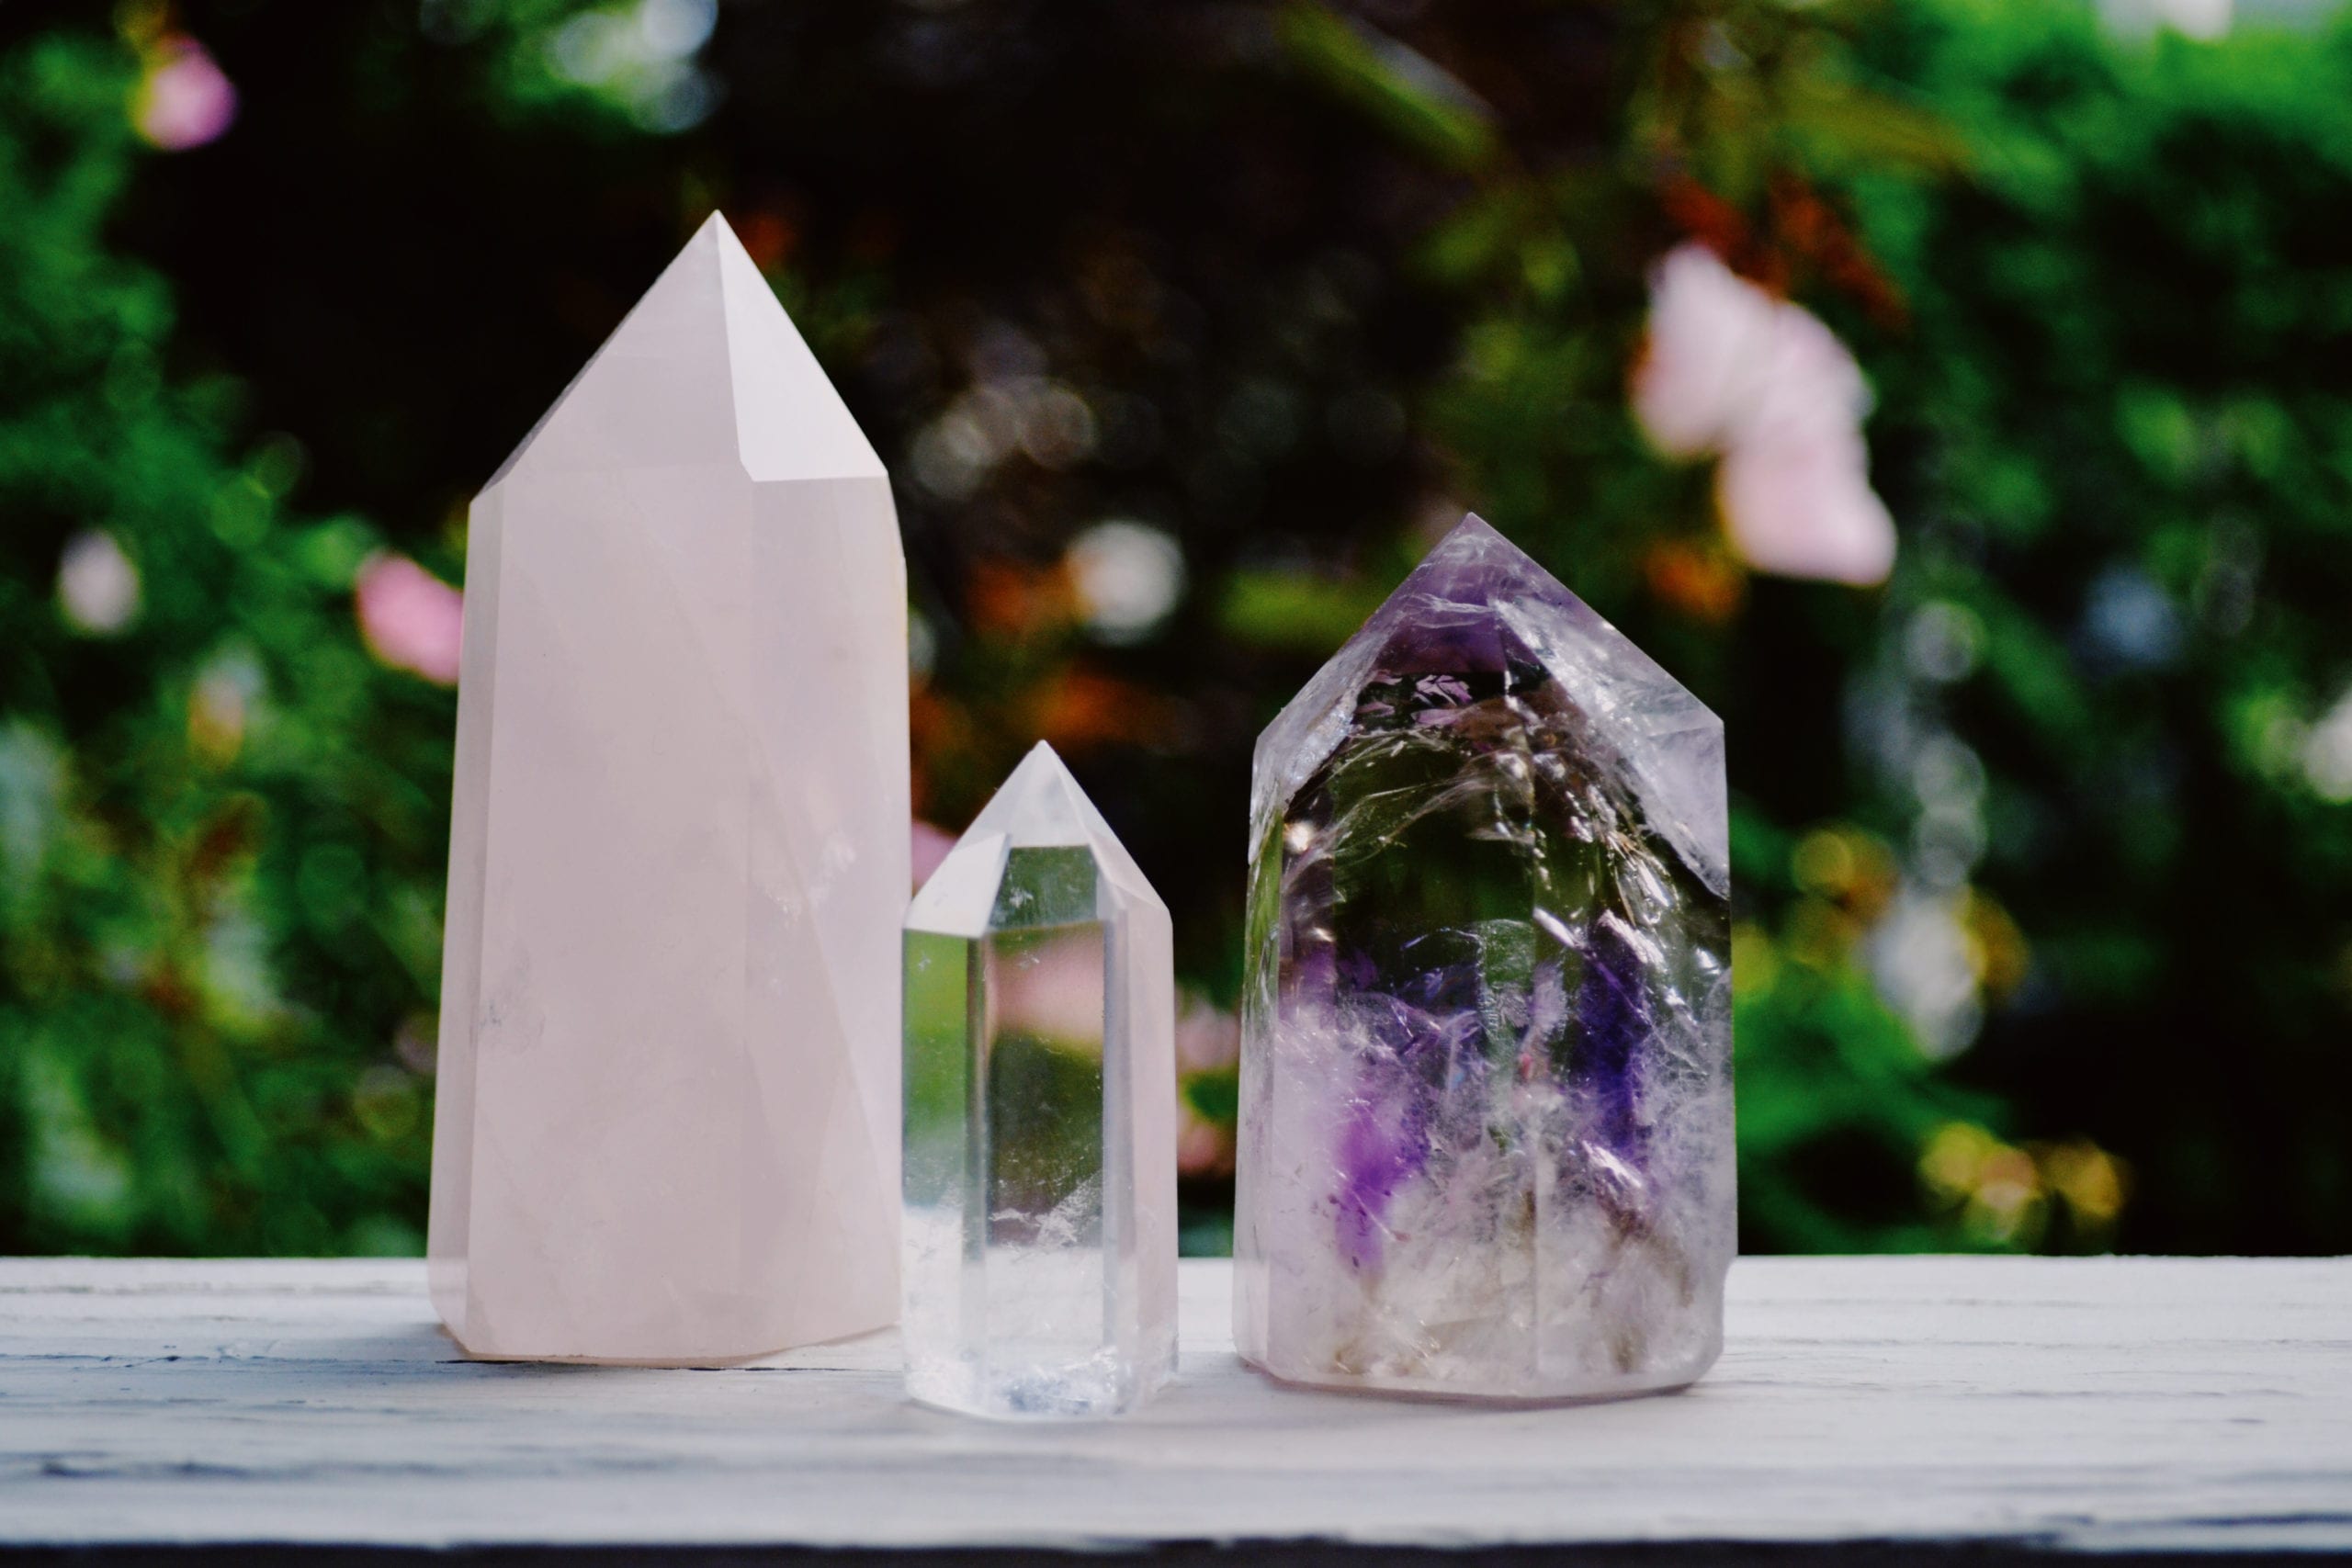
[(666, 1126), (1040, 1181), (1486, 1141)]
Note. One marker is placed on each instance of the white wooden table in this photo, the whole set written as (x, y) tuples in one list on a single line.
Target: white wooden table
[(1865, 1408)]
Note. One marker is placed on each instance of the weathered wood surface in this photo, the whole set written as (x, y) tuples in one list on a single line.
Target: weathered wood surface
[(2115, 1404)]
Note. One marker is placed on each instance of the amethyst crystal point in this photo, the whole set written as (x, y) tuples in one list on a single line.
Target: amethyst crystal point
[(1486, 1141)]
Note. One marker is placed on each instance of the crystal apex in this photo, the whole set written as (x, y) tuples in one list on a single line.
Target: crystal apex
[(707, 367), (1038, 804), (1478, 600)]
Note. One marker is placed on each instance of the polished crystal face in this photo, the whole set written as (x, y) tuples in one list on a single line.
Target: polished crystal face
[(1040, 1115), (666, 1119), (1485, 1143)]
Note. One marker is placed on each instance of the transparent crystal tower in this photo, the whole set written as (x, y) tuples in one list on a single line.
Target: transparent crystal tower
[(1486, 1141), (1040, 1135)]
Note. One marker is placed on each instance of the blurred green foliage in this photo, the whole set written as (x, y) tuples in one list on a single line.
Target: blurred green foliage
[(223, 825), (1293, 284), (2119, 422)]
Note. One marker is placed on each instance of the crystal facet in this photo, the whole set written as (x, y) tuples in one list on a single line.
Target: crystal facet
[(1486, 1141), (667, 1119), (1040, 1115)]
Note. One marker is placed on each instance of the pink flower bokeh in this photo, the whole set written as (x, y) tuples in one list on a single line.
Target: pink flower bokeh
[(1208, 1041), (410, 618), (97, 585), (930, 847), (1704, 364), (1804, 508), (1730, 371), (184, 100)]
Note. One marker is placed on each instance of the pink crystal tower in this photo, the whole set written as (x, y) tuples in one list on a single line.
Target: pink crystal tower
[(1486, 1142), (667, 1123), (1040, 1115)]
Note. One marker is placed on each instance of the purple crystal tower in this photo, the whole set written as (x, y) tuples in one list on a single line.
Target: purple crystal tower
[(1485, 1145)]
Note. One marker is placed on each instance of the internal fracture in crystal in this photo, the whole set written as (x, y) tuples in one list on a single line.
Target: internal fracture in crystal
[(1040, 1134), (1486, 1140)]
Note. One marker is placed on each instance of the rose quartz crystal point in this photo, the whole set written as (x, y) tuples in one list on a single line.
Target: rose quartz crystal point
[(667, 1124)]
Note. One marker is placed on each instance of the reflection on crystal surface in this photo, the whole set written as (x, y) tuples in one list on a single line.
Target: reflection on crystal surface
[(1040, 1122), (1485, 1144)]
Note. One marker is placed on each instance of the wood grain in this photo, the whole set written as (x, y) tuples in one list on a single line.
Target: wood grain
[(2115, 1404)]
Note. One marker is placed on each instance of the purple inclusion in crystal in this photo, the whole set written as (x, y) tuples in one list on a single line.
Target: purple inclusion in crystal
[(1489, 927), (1385, 1140), (1374, 1160), (1613, 1019)]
